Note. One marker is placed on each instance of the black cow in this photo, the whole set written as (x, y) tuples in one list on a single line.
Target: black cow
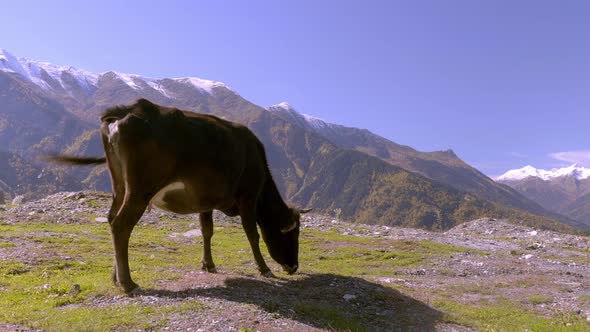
[(186, 162)]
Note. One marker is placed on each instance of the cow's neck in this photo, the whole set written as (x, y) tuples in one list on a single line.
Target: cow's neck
[(272, 210)]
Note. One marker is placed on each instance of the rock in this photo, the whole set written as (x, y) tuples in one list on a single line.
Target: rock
[(70, 195), (18, 200), (420, 272), (349, 297), (101, 219), (535, 246), (192, 233), (75, 290)]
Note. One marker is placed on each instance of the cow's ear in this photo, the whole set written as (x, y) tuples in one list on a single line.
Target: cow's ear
[(289, 227)]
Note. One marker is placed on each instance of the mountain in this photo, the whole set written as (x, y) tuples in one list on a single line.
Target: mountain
[(20, 176), (563, 190), (315, 164), (441, 166)]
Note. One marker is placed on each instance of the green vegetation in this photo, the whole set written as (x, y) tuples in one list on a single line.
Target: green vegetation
[(336, 319), (326, 252), (40, 270), (36, 292), (507, 316), (370, 191), (539, 299)]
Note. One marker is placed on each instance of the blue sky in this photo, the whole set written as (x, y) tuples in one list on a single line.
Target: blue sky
[(503, 83)]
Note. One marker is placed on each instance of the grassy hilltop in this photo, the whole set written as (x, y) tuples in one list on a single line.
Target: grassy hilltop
[(483, 275)]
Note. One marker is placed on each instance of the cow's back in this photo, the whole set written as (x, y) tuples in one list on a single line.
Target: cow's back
[(205, 159)]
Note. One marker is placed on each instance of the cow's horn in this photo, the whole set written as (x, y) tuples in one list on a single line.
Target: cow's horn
[(288, 228)]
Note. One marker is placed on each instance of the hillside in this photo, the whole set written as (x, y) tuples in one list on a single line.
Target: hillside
[(49, 108), (580, 208), (311, 172), (441, 166), (482, 275)]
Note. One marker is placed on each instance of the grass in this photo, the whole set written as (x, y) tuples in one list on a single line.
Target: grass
[(35, 286), (7, 245), (507, 316), (472, 288), (331, 316), (575, 249), (539, 299), (36, 294), (326, 252)]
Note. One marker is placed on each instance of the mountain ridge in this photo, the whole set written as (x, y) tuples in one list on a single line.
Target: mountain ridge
[(563, 190), (302, 157), (579, 172), (442, 166), (50, 76)]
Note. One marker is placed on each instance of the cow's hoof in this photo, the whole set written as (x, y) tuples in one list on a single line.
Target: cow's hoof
[(210, 269), (268, 274), (136, 291), (131, 289)]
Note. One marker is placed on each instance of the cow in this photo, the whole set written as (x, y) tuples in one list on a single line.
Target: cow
[(186, 162)]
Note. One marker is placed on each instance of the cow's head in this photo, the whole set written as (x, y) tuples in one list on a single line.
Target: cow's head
[(283, 243)]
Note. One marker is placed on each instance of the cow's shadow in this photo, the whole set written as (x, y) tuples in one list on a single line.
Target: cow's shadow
[(325, 301)]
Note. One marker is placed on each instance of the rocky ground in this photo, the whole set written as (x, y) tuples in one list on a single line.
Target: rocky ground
[(545, 273)]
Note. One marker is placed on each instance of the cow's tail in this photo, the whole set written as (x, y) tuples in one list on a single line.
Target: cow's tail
[(72, 160)]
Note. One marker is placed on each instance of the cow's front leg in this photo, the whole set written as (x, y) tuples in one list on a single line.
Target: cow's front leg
[(206, 219), (248, 215), (115, 206), (121, 228)]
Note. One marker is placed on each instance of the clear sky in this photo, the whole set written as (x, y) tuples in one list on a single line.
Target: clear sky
[(502, 83)]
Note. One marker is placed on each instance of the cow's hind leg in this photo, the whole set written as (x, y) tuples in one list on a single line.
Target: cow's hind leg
[(247, 210), (121, 228), (118, 185), (206, 219)]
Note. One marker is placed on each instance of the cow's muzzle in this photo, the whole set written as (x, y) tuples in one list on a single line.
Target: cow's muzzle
[(290, 269)]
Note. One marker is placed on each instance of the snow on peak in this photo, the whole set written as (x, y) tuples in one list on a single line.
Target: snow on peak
[(303, 119), (202, 84), (7, 60), (128, 79), (49, 76), (315, 122), (282, 105), (574, 170), (10, 63)]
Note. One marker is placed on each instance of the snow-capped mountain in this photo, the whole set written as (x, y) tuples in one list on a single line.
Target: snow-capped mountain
[(564, 190), (59, 79), (47, 107), (578, 172), (46, 75), (285, 110)]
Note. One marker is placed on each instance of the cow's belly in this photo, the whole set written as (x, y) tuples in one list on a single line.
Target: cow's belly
[(176, 198)]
